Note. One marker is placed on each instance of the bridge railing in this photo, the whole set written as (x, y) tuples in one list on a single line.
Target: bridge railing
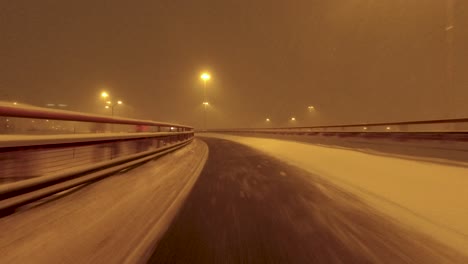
[(23, 119), (36, 142), (441, 129)]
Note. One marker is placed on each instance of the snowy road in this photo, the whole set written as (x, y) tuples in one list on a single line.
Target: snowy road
[(248, 207), (256, 201)]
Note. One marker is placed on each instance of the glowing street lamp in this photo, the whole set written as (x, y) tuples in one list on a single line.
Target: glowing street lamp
[(293, 119), (311, 108), (268, 119), (112, 105), (109, 103), (205, 77)]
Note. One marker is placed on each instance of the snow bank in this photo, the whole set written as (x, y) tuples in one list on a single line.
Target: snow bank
[(430, 197)]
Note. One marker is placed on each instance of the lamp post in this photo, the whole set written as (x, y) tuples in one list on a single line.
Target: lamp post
[(109, 103), (112, 105), (205, 77), (449, 28)]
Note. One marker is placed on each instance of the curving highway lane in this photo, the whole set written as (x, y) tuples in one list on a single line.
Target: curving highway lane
[(248, 207)]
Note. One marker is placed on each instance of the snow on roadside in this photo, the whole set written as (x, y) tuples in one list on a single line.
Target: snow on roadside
[(430, 197)]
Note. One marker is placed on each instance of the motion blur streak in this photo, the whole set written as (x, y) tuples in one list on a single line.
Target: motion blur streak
[(105, 222)]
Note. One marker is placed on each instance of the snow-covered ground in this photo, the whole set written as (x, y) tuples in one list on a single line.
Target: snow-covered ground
[(116, 220), (430, 197)]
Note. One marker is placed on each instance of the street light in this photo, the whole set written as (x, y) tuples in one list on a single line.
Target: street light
[(109, 103), (293, 119), (313, 114), (112, 105), (450, 33), (268, 119), (205, 77)]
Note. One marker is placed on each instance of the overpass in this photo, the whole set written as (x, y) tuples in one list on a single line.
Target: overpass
[(80, 188)]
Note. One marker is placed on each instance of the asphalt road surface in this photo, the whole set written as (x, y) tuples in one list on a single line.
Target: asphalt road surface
[(247, 207)]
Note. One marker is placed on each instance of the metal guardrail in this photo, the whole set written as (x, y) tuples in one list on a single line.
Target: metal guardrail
[(23, 119), (26, 155), (17, 194), (402, 125), (441, 129), (46, 151)]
